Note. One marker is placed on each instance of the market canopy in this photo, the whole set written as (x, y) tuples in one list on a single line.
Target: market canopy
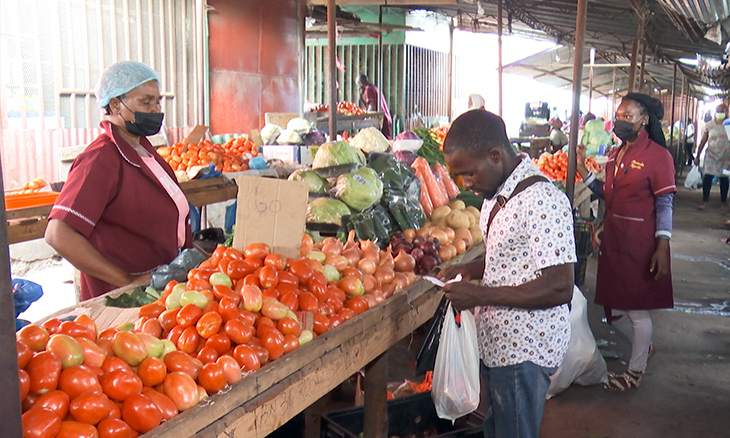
[(674, 30)]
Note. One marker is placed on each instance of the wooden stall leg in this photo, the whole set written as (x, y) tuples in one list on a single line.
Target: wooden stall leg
[(376, 406)]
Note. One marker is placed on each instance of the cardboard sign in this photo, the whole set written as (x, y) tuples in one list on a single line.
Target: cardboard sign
[(194, 136), (271, 211)]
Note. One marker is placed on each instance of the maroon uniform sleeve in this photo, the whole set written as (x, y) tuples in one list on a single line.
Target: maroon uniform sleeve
[(370, 95), (92, 182), (661, 178)]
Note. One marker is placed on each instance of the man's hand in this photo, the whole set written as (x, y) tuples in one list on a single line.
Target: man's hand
[(660, 260), (464, 295), (142, 280), (469, 271)]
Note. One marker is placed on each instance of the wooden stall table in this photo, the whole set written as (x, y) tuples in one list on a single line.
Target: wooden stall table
[(266, 399), (347, 123)]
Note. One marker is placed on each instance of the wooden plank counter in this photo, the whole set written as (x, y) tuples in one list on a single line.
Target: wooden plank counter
[(266, 399)]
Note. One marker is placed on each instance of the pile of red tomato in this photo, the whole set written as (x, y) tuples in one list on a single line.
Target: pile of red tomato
[(237, 312)]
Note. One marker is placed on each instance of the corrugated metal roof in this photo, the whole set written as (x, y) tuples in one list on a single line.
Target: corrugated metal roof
[(708, 12)]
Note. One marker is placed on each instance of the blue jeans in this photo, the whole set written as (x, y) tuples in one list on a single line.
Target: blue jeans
[(515, 397)]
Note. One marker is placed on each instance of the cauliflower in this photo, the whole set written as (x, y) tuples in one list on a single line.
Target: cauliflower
[(370, 140)]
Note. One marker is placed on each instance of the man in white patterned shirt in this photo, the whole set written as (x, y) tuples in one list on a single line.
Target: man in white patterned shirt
[(526, 275)]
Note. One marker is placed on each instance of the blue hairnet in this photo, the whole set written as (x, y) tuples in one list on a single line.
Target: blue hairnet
[(122, 77)]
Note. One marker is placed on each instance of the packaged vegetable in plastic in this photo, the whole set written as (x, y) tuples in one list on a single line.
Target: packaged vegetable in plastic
[(337, 153), (407, 215), (394, 174), (327, 210), (407, 141), (436, 190), (359, 189), (455, 390), (451, 188), (425, 199), (370, 140), (406, 157), (269, 133), (316, 183)]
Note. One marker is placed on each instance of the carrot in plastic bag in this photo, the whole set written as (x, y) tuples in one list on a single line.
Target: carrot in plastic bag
[(451, 188), (426, 203), (436, 191)]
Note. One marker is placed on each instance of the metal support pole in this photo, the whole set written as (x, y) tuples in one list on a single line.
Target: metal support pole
[(671, 118), (380, 58), (500, 66), (638, 41), (301, 52), (10, 401), (580, 30), (375, 414), (450, 73), (590, 79), (332, 52)]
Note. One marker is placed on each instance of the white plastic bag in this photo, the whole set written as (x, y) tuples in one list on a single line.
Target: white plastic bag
[(583, 363), (455, 387), (694, 178)]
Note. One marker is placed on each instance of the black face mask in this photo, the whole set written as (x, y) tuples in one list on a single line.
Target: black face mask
[(145, 124), (624, 130)]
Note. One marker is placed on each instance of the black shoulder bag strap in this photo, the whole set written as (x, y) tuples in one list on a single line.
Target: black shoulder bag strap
[(501, 201)]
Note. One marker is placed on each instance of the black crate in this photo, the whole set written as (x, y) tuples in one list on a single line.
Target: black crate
[(408, 416)]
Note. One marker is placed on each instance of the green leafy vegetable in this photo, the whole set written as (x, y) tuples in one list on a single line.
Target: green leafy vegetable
[(337, 153), (430, 149), (359, 189), (327, 210), (315, 182), (136, 298)]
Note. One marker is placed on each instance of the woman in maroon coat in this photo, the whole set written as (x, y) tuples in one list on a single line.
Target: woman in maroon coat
[(634, 273)]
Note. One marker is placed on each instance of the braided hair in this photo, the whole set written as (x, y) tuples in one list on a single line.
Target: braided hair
[(655, 110)]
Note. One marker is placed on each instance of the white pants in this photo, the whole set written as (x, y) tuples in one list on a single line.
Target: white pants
[(636, 325)]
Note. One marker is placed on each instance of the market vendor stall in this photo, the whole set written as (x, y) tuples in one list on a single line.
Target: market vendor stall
[(266, 399)]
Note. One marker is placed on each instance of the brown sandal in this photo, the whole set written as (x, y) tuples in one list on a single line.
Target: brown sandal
[(623, 382)]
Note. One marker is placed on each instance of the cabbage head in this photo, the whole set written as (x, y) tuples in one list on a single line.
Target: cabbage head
[(360, 189), (315, 182), (337, 153), (327, 210)]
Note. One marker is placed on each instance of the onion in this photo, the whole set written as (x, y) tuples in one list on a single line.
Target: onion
[(367, 266), (379, 296), (384, 275), (440, 235), (369, 283), (450, 233), (424, 232), (332, 245), (404, 262), (388, 290), (417, 254), (386, 260), (400, 281), (402, 246), (409, 234), (464, 234), (444, 254), (427, 263), (337, 261), (351, 242), (370, 250), (412, 277), (307, 245), (352, 255), (418, 240), (372, 300), (460, 246)]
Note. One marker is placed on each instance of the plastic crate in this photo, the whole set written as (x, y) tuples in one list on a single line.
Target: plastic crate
[(408, 416)]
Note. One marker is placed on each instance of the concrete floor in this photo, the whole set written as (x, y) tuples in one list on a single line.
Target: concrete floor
[(686, 390)]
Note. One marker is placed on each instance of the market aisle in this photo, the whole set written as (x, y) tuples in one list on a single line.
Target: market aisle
[(687, 387)]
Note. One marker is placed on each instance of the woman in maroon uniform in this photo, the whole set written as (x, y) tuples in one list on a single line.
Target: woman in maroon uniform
[(121, 213), (634, 273)]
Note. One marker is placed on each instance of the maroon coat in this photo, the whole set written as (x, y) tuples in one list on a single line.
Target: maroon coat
[(118, 204), (624, 280)]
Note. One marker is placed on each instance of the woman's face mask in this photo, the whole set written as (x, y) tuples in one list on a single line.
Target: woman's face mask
[(145, 124), (720, 116)]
